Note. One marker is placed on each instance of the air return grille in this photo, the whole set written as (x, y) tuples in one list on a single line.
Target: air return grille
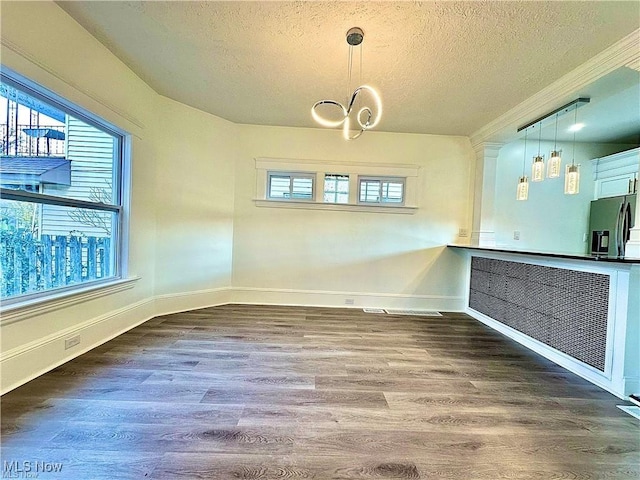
[(420, 313)]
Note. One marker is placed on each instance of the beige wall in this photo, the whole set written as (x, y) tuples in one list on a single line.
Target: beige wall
[(196, 237), (194, 199), (181, 201), (388, 258)]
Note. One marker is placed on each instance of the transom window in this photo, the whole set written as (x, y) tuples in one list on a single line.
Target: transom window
[(61, 204), (291, 186), (381, 190), (336, 188)]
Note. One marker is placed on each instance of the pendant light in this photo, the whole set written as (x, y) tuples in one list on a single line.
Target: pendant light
[(555, 160), (522, 192), (572, 172), (537, 168), (366, 117)]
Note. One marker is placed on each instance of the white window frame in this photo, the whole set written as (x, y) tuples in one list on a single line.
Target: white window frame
[(119, 208), (292, 177), (382, 180), (335, 194), (319, 168)]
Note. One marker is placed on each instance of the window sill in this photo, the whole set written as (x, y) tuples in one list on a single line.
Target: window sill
[(406, 210), (38, 306)]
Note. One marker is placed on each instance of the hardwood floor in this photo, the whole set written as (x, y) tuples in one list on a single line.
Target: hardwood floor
[(258, 392)]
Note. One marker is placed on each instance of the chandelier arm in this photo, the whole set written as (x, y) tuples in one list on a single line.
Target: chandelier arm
[(366, 124), (323, 121)]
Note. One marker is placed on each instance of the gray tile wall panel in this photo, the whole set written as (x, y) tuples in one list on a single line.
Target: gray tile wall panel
[(564, 309)]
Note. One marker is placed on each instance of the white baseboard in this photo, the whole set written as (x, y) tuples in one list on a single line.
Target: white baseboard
[(323, 298), (26, 362), (182, 302), (575, 366)]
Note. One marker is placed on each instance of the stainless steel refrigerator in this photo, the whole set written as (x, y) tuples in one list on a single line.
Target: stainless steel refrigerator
[(610, 220)]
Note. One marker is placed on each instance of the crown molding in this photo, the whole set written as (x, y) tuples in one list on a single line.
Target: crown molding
[(625, 52), (487, 149)]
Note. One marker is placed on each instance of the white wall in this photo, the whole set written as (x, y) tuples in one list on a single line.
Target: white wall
[(194, 202), (179, 155), (549, 220), (324, 257)]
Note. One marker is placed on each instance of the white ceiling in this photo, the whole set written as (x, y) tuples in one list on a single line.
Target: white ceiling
[(441, 67)]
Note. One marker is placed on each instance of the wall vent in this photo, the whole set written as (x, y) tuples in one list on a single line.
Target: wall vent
[(420, 313)]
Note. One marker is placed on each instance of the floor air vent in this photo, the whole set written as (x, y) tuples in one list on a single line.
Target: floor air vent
[(421, 313), (373, 310)]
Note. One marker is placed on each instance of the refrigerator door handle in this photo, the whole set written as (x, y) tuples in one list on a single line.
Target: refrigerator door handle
[(618, 229)]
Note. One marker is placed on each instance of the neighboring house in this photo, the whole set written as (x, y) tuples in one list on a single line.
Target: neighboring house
[(90, 152), (44, 150)]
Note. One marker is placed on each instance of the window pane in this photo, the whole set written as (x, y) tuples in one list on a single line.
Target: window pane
[(279, 187), (45, 246), (302, 188), (336, 188), (45, 148), (370, 191), (392, 192)]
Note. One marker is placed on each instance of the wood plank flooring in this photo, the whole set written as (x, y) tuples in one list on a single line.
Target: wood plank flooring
[(263, 392)]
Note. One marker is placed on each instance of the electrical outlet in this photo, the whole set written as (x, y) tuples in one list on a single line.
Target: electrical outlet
[(463, 232), (71, 342), (516, 235), (348, 301)]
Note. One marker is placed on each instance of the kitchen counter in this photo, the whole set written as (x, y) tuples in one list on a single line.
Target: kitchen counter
[(579, 311), (538, 253)]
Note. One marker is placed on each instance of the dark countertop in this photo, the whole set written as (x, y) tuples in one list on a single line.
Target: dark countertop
[(589, 258)]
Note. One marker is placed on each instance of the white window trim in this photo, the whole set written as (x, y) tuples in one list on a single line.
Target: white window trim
[(62, 298), (36, 303), (382, 180), (292, 176), (319, 168), (324, 186)]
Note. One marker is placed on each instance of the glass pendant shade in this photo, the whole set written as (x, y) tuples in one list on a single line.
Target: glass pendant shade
[(572, 180), (537, 169), (555, 162), (523, 189)]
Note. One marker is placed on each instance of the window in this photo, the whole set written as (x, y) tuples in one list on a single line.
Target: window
[(381, 190), (336, 188), (291, 186), (61, 202)]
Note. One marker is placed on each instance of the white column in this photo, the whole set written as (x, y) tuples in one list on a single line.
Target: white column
[(484, 192), (632, 247)]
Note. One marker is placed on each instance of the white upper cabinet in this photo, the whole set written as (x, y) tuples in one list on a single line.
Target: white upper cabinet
[(616, 174)]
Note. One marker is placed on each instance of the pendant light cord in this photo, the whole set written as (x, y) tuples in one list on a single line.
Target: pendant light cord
[(555, 138), (349, 69), (524, 156), (539, 137), (573, 148), (360, 72)]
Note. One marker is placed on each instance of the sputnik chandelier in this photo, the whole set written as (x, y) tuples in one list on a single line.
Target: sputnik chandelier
[(366, 117)]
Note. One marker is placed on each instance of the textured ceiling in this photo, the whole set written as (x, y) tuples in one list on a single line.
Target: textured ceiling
[(441, 67)]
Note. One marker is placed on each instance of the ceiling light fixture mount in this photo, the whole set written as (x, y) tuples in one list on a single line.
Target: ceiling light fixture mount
[(367, 117)]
